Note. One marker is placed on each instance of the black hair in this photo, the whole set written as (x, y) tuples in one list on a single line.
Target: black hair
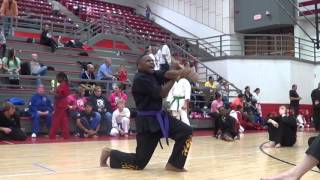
[(240, 95), (141, 57), (11, 56), (257, 89), (210, 77), (62, 76), (88, 104)]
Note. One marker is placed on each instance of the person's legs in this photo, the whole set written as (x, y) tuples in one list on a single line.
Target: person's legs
[(125, 124), (65, 124), (146, 144), (3, 50), (95, 122), (114, 132), (316, 118), (35, 122), (48, 120), (84, 122), (17, 135), (181, 133), (108, 119)]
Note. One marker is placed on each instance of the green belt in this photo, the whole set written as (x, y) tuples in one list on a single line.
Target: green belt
[(176, 98)]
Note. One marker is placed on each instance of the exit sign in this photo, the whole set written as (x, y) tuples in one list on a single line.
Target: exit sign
[(257, 17)]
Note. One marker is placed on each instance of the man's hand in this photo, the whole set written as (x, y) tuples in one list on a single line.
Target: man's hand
[(6, 130)]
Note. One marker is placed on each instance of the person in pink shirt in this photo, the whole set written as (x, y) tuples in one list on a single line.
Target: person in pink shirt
[(116, 95), (76, 103), (215, 105)]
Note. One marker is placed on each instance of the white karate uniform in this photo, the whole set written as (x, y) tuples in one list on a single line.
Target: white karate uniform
[(119, 122), (155, 61), (182, 89)]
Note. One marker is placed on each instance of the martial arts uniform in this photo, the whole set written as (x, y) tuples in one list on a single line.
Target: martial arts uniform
[(286, 133), (60, 115), (227, 125), (179, 93), (14, 124), (40, 103), (152, 123), (119, 122), (315, 96)]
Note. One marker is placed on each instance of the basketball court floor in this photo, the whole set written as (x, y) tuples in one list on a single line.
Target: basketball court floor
[(209, 159)]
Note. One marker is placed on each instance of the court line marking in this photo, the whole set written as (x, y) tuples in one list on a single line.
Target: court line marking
[(278, 159), (44, 167), (7, 142)]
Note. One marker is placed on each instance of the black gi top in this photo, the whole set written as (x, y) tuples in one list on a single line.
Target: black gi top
[(289, 129), (146, 91), (315, 95), (13, 122)]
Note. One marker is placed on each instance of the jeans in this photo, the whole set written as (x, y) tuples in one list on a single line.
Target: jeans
[(36, 121), (107, 118), (41, 72), (7, 26)]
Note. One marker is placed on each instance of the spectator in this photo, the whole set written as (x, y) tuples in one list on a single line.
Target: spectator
[(120, 120), (9, 10), (165, 59), (294, 99), (256, 100), (102, 106), (55, 7), (282, 130), (3, 43), (239, 101), (157, 55), (60, 116), (12, 65), (76, 103), (46, 39), (214, 114), (10, 124), (226, 126), (88, 122), (315, 96), (36, 68), (210, 83), (88, 74), (122, 74), (105, 73), (117, 95), (148, 12), (40, 107), (248, 99)]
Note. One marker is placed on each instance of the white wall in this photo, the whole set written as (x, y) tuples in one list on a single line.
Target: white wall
[(202, 18), (273, 77)]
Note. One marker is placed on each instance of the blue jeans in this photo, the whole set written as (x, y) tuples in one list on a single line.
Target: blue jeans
[(107, 118), (7, 26), (36, 121), (41, 72), (90, 124)]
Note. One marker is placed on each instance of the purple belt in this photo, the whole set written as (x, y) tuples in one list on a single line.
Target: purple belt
[(162, 119)]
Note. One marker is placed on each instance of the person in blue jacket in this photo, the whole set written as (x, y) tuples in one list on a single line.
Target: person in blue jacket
[(40, 107)]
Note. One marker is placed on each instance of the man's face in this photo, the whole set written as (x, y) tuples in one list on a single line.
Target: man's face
[(146, 64), (34, 57), (294, 87), (282, 110), (91, 69), (46, 27), (41, 89), (108, 61)]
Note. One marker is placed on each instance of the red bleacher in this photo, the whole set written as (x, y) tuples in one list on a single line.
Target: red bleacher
[(138, 23)]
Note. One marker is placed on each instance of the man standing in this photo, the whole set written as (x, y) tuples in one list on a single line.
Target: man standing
[(152, 123), (294, 99), (40, 107), (165, 59), (315, 96)]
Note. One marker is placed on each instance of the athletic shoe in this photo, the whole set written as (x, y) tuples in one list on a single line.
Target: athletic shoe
[(33, 135)]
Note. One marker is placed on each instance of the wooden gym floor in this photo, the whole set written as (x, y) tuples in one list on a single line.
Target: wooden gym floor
[(209, 159)]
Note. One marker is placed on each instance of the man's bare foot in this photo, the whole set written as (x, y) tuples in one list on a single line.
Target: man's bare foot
[(270, 144), (170, 167), (278, 145), (283, 176), (105, 154)]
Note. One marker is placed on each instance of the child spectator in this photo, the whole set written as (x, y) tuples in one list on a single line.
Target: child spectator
[(120, 120), (60, 116), (116, 95), (122, 74), (88, 122)]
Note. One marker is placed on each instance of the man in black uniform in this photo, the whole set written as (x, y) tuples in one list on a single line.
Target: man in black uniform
[(294, 99), (315, 96), (10, 124), (282, 129), (152, 123)]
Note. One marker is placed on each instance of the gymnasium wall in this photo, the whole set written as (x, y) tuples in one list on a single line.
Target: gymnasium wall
[(273, 77), (203, 18)]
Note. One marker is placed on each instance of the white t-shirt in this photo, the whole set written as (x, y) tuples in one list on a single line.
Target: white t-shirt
[(116, 118), (55, 5), (155, 61), (165, 51)]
